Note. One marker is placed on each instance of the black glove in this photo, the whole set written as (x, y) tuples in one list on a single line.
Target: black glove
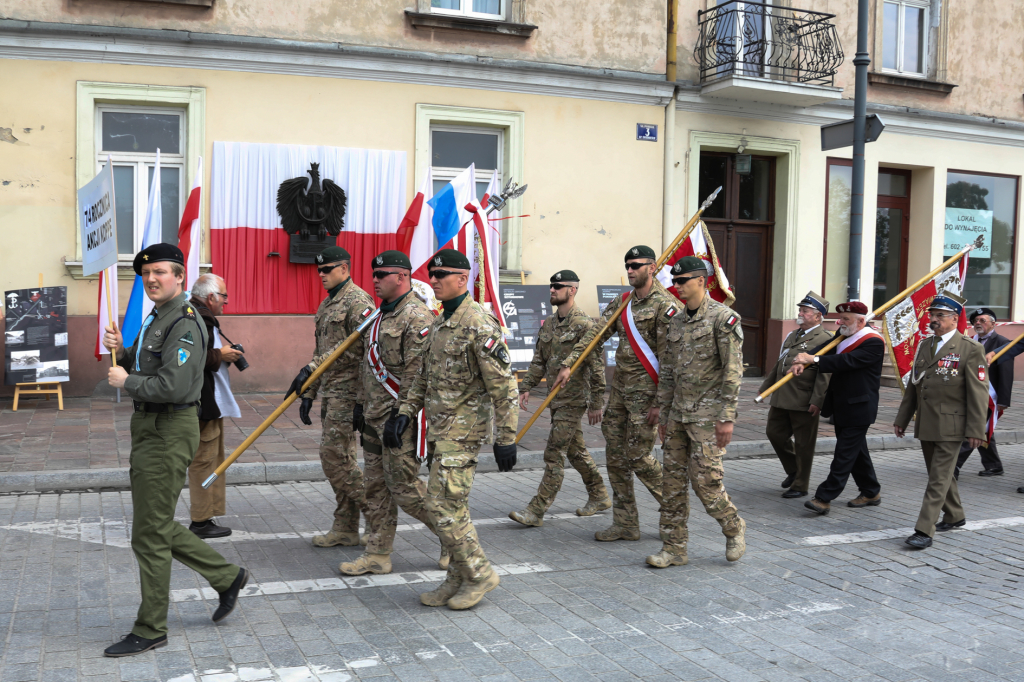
[(298, 381), (304, 408), (358, 420), (394, 427), (505, 456)]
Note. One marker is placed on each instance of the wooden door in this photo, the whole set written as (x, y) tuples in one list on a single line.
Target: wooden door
[(892, 234)]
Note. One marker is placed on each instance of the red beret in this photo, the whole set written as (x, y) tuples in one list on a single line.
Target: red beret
[(852, 307)]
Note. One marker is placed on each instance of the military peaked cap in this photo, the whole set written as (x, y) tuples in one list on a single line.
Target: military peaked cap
[(641, 252), (689, 264), (391, 259), (948, 301), (565, 276), (332, 254), (813, 300), (982, 311), (156, 253), (450, 258), (852, 307)]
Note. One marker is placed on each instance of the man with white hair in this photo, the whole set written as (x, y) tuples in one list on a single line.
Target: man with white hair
[(852, 402), (209, 296)]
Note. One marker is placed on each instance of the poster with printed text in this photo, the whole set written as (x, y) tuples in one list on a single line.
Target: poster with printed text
[(35, 335)]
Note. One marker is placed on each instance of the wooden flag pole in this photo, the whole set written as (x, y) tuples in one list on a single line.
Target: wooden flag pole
[(1005, 348), (111, 318), (618, 313), (880, 311)]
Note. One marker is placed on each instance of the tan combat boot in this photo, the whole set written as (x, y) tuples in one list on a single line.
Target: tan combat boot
[(445, 559), (617, 533), (737, 544), (367, 563), (471, 593), (527, 518), (594, 505), (664, 559), (444, 592), (333, 538)]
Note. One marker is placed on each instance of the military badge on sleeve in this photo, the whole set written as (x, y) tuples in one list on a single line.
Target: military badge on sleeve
[(188, 339), (498, 350), (183, 356), (981, 373), (423, 332), (671, 312)]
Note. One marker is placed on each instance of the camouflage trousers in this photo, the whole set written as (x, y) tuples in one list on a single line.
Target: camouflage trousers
[(565, 440), (391, 480), (693, 458), (452, 469), (338, 457), (629, 442)]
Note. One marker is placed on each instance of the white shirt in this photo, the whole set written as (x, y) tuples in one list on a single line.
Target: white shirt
[(943, 339), (222, 386)]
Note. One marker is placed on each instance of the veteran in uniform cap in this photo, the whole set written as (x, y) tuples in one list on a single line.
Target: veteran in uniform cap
[(701, 372), (163, 373), (395, 343), (948, 391), (584, 393), (793, 416), (466, 369), (631, 417), (341, 389), (1000, 378)]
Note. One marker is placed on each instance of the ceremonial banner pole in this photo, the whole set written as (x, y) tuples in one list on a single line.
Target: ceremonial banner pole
[(1005, 348), (880, 311), (618, 313)]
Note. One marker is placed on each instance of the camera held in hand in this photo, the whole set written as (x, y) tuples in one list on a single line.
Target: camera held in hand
[(241, 364)]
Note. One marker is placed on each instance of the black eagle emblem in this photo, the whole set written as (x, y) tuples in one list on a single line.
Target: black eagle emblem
[(319, 209)]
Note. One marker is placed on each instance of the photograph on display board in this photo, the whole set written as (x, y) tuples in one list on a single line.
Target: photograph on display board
[(525, 308), (35, 335), (608, 294)]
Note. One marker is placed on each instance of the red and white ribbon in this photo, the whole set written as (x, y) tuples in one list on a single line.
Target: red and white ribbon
[(392, 384), (851, 342), (642, 351)]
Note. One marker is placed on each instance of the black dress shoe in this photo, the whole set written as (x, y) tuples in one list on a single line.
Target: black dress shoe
[(942, 526), (229, 597), (789, 494), (130, 645), (990, 472), (789, 480), (209, 529), (919, 541), (1020, 489)]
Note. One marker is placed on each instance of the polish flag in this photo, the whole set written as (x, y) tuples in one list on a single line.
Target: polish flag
[(103, 320), (699, 244), (189, 233)]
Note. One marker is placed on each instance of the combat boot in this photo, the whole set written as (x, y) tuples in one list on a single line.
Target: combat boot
[(333, 538), (367, 563), (594, 505), (736, 546), (617, 533), (664, 559), (444, 592), (445, 559), (471, 593), (527, 518)]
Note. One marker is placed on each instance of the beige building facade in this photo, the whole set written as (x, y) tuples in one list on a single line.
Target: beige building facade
[(562, 96)]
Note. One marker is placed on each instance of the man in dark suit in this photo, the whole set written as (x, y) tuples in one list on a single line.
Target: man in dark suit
[(852, 401), (1000, 377)]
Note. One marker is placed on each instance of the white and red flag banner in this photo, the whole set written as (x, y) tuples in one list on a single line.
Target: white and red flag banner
[(700, 244), (190, 235), (250, 250)]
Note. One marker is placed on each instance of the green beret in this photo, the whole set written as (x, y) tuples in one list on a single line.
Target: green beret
[(641, 252), (332, 254), (391, 259), (689, 264), (565, 276), (156, 253), (449, 258)]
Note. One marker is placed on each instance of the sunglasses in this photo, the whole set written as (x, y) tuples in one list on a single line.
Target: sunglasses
[(381, 274), (324, 269), (441, 274), (556, 287), (679, 281), (634, 265)]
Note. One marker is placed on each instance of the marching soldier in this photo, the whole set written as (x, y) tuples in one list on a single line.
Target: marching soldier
[(344, 309), (701, 372), (1000, 378), (394, 354), (631, 417), (466, 369), (163, 373), (585, 392), (793, 416), (948, 391)]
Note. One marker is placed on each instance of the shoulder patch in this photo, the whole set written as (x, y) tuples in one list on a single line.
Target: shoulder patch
[(671, 312), (366, 313), (731, 321), (489, 343), (423, 332), (188, 339), (189, 312), (183, 356)]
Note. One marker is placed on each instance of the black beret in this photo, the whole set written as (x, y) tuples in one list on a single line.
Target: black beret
[(565, 276), (689, 264), (391, 259), (156, 253), (449, 258), (641, 252), (332, 254), (982, 311)]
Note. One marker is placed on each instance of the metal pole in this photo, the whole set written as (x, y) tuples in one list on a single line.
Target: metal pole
[(860, 112)]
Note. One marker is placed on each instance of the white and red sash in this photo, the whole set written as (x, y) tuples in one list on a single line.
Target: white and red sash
[(642, 351), (392, 384), (993, 407), (851, 342)]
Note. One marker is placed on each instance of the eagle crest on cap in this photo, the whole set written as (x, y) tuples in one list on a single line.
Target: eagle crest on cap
[(558, 275), (380, 261), (635, 252), (320, 258), (437, 261)]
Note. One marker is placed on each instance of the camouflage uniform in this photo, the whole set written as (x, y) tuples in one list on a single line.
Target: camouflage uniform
[(585, 391), (391, 476), (341, 388), (629, 439), (699, 386), (465, 370)]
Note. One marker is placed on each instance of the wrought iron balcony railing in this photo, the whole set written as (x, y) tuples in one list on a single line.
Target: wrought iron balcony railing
[(767, 41)]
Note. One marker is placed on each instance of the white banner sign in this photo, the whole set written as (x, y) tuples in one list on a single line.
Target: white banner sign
[(99, 231), (963, 227)]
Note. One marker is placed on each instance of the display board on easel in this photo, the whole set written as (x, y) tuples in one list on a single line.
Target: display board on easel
[(36, 336)]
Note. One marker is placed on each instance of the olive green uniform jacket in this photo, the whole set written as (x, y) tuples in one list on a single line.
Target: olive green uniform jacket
[(808, 388)]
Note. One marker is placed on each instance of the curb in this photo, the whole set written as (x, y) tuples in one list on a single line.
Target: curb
[(285, 472)]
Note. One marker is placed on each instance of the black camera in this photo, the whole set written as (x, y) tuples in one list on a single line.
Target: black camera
[(241, 364)]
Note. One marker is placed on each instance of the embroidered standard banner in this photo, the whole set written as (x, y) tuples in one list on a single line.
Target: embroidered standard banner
[(640, 348)]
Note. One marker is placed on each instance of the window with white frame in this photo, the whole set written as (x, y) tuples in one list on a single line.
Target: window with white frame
[(130, 136), (485, 9), (905, 36)]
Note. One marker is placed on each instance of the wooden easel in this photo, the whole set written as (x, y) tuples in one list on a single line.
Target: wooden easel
[(45, 388)]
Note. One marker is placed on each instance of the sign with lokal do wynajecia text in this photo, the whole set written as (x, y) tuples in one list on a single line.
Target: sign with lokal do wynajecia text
[(964, 226), (97, 219)]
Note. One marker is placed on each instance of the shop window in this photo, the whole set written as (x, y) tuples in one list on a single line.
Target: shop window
[(489, 9), (982, 206), (905, 36), (839, 181)]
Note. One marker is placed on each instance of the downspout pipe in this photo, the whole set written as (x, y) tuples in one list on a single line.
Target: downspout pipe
[(860, 111), (668, 232)]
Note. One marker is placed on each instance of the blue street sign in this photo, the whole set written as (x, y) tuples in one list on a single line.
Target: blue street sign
[(647, 132)]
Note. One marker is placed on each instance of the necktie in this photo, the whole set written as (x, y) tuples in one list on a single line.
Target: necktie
[(142, 336)]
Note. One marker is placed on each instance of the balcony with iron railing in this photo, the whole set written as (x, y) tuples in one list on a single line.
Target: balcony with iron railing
[(755, 51)]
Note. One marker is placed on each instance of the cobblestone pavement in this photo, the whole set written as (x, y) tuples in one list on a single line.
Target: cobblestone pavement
[(828, 598), (93, 433)]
